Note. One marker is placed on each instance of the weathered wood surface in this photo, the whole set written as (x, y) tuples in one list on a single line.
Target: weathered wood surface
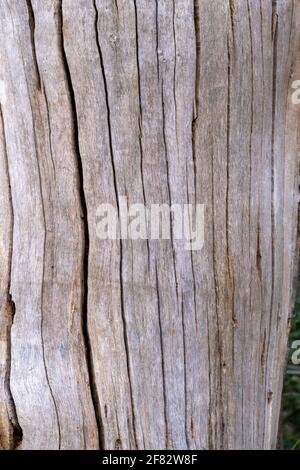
[(136, 344)]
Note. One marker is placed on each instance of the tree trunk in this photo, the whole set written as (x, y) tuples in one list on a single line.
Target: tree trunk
[(142, 344)]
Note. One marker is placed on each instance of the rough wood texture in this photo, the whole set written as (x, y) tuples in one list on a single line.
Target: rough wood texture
[(142, 344)]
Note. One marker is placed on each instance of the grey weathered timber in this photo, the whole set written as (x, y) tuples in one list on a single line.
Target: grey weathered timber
[(122, 344)]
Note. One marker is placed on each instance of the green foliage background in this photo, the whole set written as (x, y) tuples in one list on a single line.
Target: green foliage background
[(290, 430)]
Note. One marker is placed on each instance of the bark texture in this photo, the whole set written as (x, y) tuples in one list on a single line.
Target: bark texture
[(143, 344)]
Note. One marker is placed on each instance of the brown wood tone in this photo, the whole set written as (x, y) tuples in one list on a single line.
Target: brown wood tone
[(142, 344)]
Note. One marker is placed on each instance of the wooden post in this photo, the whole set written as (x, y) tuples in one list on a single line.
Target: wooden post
[(142, 344)]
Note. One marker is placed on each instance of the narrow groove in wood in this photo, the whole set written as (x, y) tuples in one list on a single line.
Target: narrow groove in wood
[(230, 272), (232, 13), (49, 129), (85, 331), (194, 125), (157, 38), (44, 253), (162, 360), (107, 104), (175, 72), (216, 291), (228, 137), (252, 115), (168, 184), (197, 88), (184, 371), (125, 334), (31, 20), (16, 436), (191, 251), (274, 35), (140, 118)]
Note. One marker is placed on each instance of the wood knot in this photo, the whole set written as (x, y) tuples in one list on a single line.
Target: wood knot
[(270, 396)]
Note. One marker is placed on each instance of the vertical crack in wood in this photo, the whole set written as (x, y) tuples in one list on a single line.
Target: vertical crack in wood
[(196, 113), (107, 104), (197, 88), (184, 371), (85, 332), (232, 12), (274, 114), (140, 118), (191, 251), (157, 39), (49, 130), (31, 20), (116, 7), (171, 227), (228, 137), (230, 273), (15, 433), (44, 256), (262, 51), (125, 334), (167, 443), (274, 37), (250, 179), (168, 182), (170, 202), (168, 172), (252, 117), (216, 289), (258, 255), (43, 278), (262, 330), (175, 73)]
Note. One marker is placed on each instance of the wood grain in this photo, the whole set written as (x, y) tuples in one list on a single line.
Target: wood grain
[(122, 344)]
